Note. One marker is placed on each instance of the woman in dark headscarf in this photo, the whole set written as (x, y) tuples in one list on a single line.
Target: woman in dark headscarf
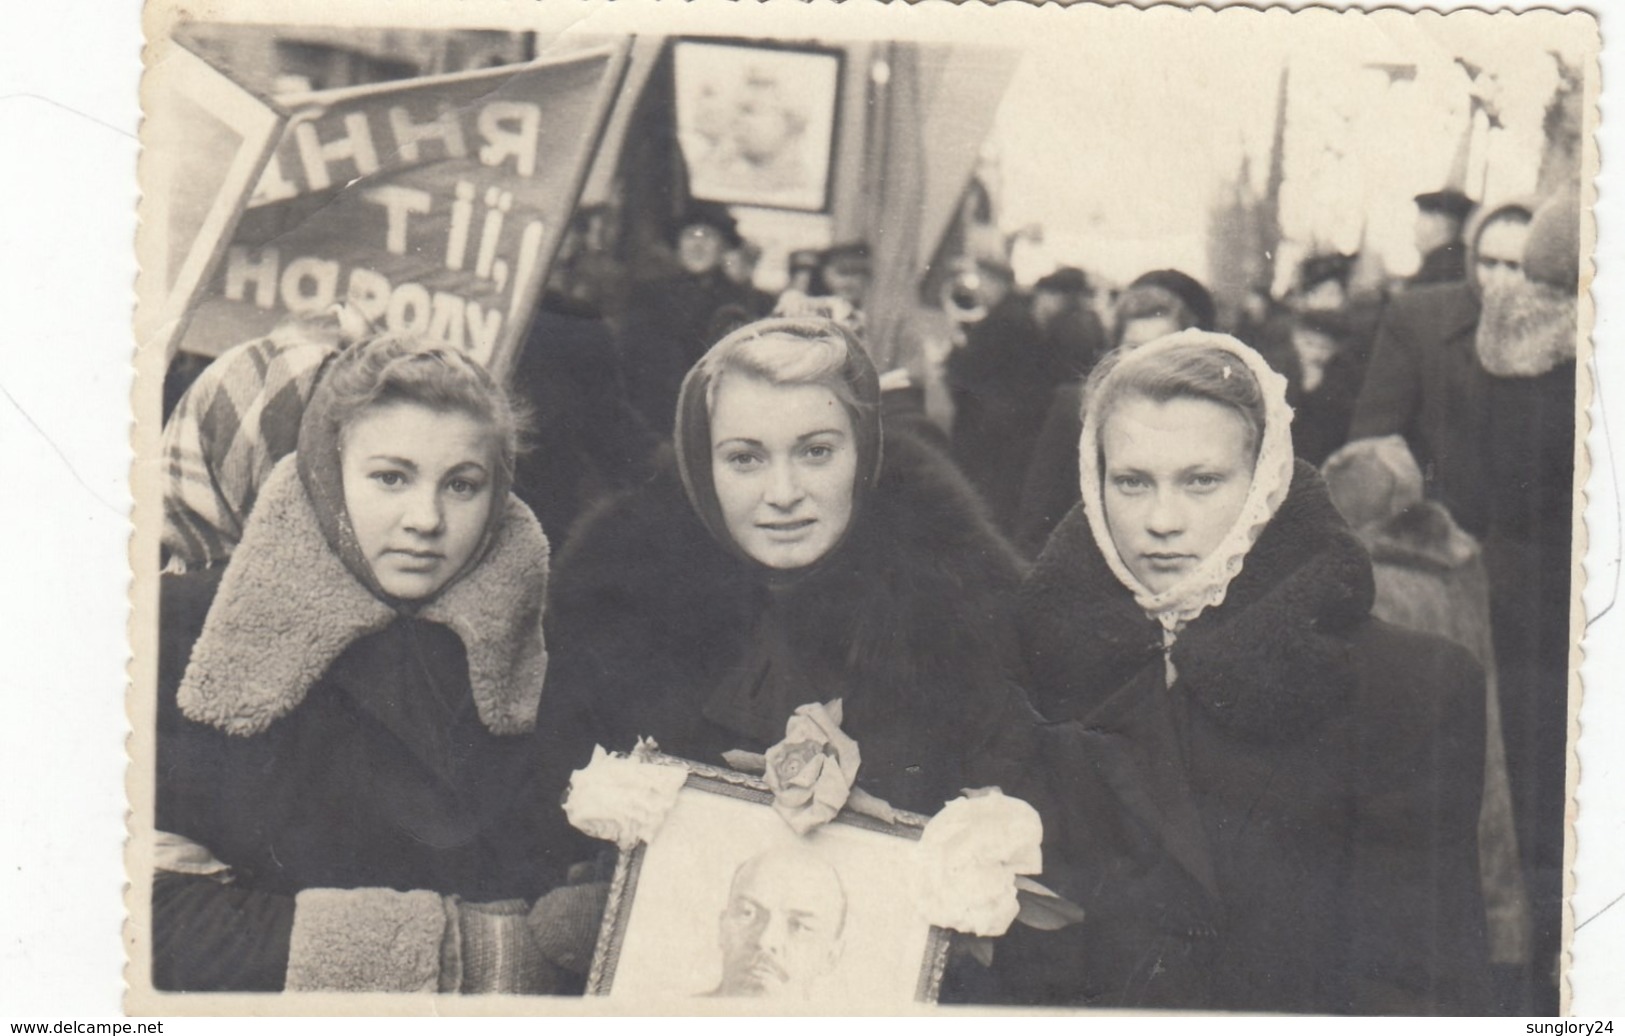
[(1264, 798), (793, 553), (347, 780)]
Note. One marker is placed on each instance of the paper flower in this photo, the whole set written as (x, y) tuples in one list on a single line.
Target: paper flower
[(968, 858), (620, 799), (811, 771)]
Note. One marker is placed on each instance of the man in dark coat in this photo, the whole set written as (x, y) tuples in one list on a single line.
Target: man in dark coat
[(671, 322), (1440, 216), (1526, 343), (1425, 381), (1321, 344), (586, 440), (1000, 386)]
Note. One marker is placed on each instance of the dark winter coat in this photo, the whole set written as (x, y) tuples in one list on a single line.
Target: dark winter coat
[(1050, 485), (1444, 265), (1320, 418), (349, 766), (669, 325), (1527, 551), (586, 441), (652, 621), (1001, 382), (1292, 826), (1426, 384)]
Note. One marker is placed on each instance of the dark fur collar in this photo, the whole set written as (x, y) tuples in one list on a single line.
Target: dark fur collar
[(287, 607), (1264, 665), (918, 591)]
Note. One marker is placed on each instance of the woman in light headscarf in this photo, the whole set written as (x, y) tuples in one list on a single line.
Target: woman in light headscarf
[(1265, 799)]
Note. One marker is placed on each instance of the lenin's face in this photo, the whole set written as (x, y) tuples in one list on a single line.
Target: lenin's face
[(781, 930)]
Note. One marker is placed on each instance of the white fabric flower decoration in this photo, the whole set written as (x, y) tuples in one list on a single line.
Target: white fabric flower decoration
[(620, 799), (968, 859)]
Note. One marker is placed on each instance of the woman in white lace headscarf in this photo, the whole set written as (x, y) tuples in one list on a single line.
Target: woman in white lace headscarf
[(1265, 798)]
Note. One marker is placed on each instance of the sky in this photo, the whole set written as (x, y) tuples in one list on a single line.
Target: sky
[(1159, 110)]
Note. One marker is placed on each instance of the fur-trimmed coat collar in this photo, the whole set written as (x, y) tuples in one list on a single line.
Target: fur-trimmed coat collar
[(1263, 665), (287, 608), (1423, 537), (653, 621)]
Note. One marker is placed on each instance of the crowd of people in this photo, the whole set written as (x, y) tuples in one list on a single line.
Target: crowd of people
[(1269, 621)]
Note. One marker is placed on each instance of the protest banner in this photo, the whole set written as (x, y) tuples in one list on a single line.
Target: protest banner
[(431, 205)]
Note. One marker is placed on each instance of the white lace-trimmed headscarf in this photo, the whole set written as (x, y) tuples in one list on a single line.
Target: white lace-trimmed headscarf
[(1205, 586)]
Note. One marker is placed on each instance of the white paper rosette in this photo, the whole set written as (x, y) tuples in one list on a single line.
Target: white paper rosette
[(811, 771)]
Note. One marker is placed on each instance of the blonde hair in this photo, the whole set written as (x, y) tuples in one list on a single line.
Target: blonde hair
[(1180, 372), (782, 351)]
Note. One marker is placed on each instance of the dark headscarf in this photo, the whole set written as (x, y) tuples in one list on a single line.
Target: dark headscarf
[(693, 436), (774, 677), (321, 468)]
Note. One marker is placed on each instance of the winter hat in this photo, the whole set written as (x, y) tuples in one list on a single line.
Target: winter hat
[(1372, 480), (1448, 202), (861, 401), (1318, 269), (1552, 253), (710, 214), (1186, 289), (1068, 280)]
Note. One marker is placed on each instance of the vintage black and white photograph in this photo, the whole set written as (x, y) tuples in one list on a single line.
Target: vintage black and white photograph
[(1104, 480), (729, 902)]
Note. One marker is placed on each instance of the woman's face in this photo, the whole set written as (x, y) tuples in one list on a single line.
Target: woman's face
[(784, 461), (1175, 477), (417, 487), (699, 248)]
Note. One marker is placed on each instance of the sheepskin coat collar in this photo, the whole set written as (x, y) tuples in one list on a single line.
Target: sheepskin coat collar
[(1263, 665), (287, 607)]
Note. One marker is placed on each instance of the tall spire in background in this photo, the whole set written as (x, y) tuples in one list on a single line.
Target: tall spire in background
[(1270, 209)]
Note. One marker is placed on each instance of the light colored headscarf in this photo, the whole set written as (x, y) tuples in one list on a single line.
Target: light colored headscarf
[(1205, 586)]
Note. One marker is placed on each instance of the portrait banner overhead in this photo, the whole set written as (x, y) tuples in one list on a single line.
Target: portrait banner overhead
[(432, 205)]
